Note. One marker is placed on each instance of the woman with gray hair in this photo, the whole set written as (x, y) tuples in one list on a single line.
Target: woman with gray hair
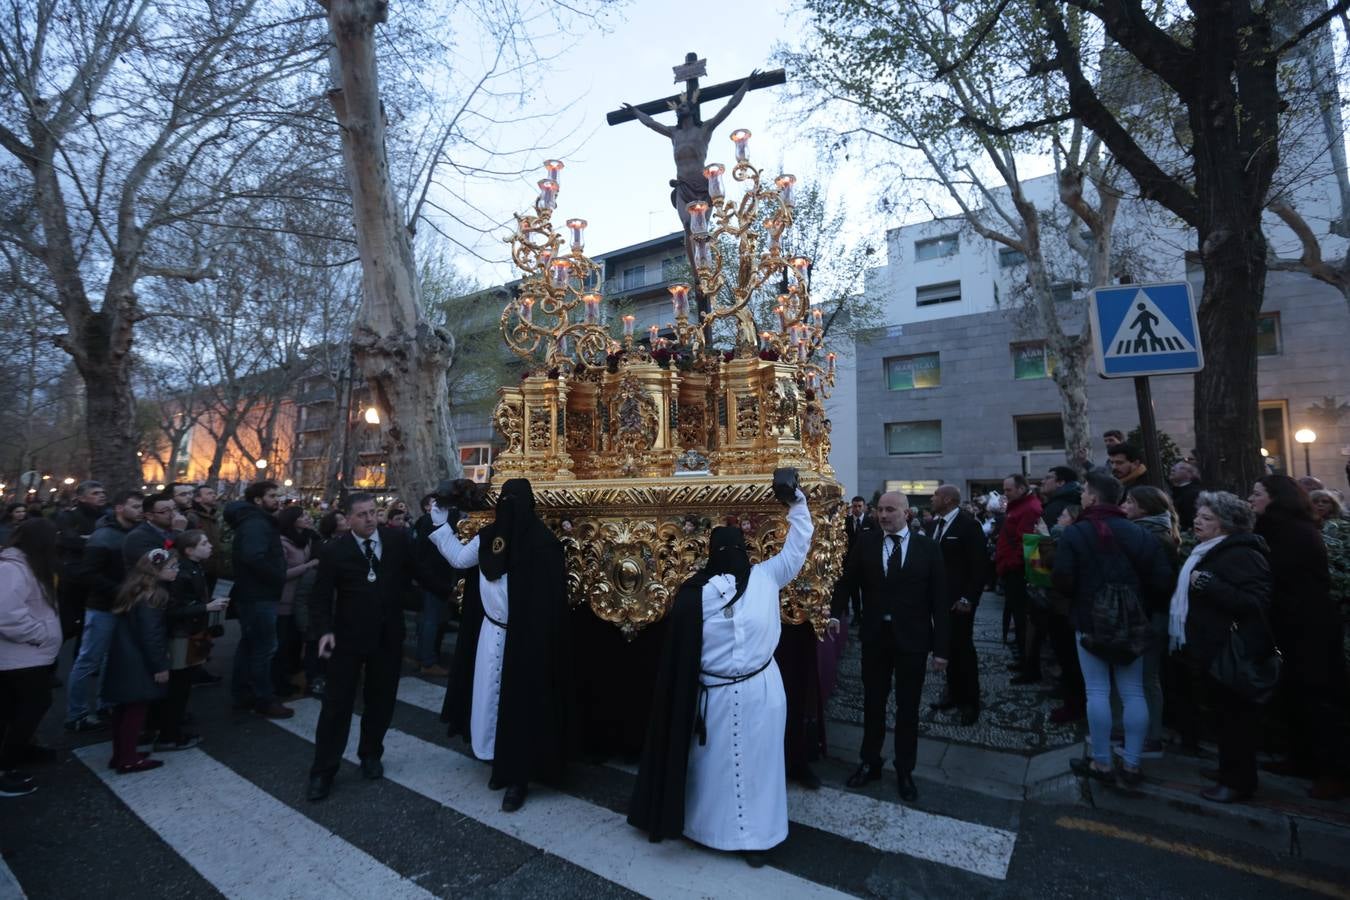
[(1225, 585)]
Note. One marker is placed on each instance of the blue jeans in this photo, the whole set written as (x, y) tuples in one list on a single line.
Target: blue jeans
[(252, 678), (97, 636), (1154, 659), (1097, 674), (429, 629)]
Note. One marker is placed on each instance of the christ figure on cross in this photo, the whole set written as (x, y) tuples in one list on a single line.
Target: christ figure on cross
[(689, 141)]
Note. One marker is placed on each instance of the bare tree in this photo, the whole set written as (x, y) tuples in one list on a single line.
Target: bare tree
[(131, 129)]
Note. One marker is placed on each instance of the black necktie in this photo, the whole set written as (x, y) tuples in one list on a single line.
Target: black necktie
[(370, 553), (942, 523), (892, 543)]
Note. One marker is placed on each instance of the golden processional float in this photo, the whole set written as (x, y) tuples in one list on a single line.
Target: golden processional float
[(636, 448)]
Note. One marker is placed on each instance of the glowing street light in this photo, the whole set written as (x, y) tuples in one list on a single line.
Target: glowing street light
[(372, 416), (261, 464), (288, 482), (68, 481), (1306, 436)]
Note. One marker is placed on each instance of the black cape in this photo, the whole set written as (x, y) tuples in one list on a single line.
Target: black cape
[(657, 805), (535, 721)]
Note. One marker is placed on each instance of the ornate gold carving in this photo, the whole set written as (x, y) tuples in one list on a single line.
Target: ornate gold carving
[(579, 431), (636, 422), (506, 417), (540, 428), (630, 543), (747, 417), (693, 426)]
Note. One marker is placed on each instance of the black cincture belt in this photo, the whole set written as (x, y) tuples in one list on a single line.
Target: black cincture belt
[(501, 625), (701, 722)]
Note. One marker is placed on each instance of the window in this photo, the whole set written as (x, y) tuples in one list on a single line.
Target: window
[(936, 248), (905, 373), (1275, 436), (932, 294), (476, 460), (1032, 360), (592, 280), (1039, 432), (673, 268), (634, 277), (913, 438), (1268, 334), (1062, 292), (1008, 257)]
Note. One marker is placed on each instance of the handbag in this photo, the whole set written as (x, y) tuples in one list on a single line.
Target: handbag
[(1236, 668)]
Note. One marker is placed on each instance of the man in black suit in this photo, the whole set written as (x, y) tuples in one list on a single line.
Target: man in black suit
[(856, 522), (961, 542), (904, 617), (356, 608)]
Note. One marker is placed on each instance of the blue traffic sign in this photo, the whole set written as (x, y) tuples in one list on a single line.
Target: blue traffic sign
[(1145, 329)]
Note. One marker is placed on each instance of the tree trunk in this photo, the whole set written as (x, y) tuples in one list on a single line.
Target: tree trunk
[(1070, 377), (403, 358), (110, 421), (1228, 434)]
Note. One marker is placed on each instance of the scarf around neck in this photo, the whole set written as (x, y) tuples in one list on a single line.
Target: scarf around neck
[(1099, 514), (1181, 597)]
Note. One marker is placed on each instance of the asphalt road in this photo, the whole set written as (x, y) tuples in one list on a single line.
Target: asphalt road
[(230, 819)]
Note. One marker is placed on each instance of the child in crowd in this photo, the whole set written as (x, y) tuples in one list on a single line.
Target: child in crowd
[(138, 658)]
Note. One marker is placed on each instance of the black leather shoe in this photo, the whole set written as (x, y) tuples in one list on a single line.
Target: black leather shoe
[(909, 791), (1084, 768), (319, 786), (372, 768), (515, 797), (805, 777), (864, 773), (756, 858), (1222, 793)]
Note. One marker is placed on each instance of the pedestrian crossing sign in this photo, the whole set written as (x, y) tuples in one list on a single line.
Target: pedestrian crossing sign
[(1145, 329)]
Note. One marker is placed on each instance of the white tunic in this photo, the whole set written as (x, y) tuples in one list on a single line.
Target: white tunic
[(487, 667), (736, 793)]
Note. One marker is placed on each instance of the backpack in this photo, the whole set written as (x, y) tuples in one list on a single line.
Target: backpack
[(1118, 629)]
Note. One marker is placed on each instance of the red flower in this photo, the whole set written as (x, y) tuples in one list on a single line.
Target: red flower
[(168, 543)]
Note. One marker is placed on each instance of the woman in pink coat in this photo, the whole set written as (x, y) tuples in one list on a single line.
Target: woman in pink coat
[(30, 637)]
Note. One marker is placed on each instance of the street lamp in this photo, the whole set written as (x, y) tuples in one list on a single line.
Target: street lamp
[(261, 464), (1306, 436), (68, 481), (372, 416), (288, 482)]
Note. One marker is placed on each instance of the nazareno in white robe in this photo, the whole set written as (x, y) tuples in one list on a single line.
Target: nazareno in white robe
[(487, 666), (736, 793)]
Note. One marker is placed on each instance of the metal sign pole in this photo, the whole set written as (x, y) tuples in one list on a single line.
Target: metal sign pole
[(1148, 428)]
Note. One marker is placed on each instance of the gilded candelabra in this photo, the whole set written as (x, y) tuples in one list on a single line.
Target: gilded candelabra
[(637, 446)]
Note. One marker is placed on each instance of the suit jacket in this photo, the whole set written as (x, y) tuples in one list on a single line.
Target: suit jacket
[(913, 595), (362, 615), (852, 530), (964, 558)]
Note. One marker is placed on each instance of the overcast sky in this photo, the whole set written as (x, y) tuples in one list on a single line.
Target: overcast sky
[(616, 177)]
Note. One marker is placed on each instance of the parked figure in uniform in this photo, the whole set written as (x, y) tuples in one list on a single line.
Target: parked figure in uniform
[(520, 692), (712, 766)]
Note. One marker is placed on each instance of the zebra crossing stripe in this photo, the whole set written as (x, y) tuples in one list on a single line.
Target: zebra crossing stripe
[(981, 849), (583, 833), (243, 840)]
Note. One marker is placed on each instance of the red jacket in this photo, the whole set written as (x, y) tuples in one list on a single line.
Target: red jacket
[(1022, 518)]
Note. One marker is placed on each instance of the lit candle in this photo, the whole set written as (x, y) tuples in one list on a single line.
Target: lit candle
[(829, 360), (679, 300), (817, 316), (702, 255), (628, 322), (527, 309), (661, 342), (801, 351), (714, 175), (652, 332), (782, 313), (545, 256), (562, 271), (775, 237), (592, 302), (785, 184), (548, 193), (578, 228), (765, 340), (553, 167), (811, 380), (741, 138), (801, 264), (698, 218)]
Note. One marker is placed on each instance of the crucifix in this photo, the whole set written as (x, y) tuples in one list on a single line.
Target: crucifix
[(690, 136)]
